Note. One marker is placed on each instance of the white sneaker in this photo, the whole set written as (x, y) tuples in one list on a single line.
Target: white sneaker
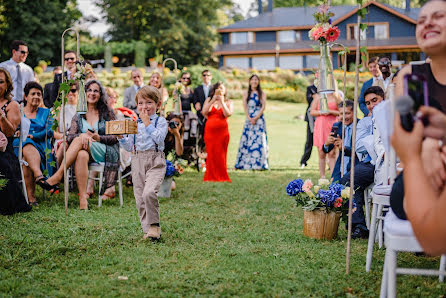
[(302, 166)]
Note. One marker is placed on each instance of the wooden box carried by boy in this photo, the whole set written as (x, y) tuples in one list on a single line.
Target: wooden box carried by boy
[(121, 127)]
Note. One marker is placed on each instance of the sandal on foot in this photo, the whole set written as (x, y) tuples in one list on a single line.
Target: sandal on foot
[(41, 181), (106, 196)]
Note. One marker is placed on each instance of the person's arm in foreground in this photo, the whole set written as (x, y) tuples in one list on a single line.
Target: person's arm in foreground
[(425, 209)]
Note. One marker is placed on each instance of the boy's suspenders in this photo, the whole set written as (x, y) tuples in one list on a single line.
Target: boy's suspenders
[(134, 139)]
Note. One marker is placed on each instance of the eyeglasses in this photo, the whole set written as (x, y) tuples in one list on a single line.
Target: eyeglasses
[(94, 91), (73, 90), (70, 58), (24, 52)]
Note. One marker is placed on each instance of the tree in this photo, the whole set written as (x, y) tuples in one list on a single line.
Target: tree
[(39, 23), (181, 29)]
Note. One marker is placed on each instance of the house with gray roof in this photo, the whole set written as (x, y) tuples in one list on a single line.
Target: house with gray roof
[(279, 37)]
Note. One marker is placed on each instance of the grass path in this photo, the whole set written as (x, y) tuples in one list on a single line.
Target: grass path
[(243, 238)]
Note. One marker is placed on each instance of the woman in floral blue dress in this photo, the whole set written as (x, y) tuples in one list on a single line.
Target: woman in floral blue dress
[(253, 149)]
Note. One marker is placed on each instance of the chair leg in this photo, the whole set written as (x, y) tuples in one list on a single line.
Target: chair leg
[(120, 186), (368, 262), (367, 209), (384, 284), (442, 267), (391, 273), (379, 230)]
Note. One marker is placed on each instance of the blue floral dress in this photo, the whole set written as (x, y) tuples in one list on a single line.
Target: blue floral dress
[(253, 149)]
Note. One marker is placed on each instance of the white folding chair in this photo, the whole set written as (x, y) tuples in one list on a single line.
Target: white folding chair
[(99, 167), (380, 202), (399, 236), (367, 203)]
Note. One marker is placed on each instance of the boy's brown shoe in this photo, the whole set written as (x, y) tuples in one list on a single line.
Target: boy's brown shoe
[(154, 233)]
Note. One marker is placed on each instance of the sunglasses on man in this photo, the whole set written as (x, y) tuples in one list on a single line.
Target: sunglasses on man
[(207, 75), (24, 52), (384, 62)]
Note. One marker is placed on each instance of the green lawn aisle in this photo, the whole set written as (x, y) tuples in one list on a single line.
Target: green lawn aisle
[(243, 238)]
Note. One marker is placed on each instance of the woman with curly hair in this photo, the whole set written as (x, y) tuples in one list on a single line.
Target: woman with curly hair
[(88, 141)]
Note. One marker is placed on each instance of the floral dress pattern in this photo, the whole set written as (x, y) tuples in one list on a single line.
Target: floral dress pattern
[(253, 150)]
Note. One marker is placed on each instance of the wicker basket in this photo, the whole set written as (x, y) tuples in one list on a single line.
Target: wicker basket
[(319, 224)]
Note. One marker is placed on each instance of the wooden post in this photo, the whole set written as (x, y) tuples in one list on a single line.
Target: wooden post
[(353, 147)]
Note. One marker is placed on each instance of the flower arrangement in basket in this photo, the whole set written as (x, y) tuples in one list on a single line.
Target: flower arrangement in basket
[(324, 196), (324, 31), (174, 165)]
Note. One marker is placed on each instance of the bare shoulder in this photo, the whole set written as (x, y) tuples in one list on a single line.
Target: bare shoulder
[(13, 106)]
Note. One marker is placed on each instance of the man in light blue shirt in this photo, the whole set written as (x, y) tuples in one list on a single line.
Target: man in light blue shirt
[(365, 169), (19, 71)]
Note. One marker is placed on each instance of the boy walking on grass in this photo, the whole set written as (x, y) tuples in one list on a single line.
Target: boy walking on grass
[(148, 162)]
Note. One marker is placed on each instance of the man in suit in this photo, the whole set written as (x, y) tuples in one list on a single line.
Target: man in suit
[(20, 72), (52, 91), (48, 90), (201, 93), (311, 90), (366, 151), (130, 92), (335, 140), (376, 75)]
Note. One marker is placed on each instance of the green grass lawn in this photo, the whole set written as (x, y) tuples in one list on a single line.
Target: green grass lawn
[(243, 239)]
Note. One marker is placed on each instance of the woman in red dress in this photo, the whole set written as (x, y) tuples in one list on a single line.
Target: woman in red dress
[(216, 109)]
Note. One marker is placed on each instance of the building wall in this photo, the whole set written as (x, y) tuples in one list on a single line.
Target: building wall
[(397, 26), (266, 36), (225, 38)]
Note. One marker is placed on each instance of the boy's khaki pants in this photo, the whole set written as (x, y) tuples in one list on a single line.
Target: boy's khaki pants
[(148, 170)]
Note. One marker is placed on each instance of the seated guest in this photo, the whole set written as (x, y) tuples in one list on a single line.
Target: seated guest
[(37, 142), (12, 199), (174, 138), (130, 92), (335, 140), (88, 141), (122, 112), (434, 71), (364, 170), (70, 111), (376, 74), (424, 204)]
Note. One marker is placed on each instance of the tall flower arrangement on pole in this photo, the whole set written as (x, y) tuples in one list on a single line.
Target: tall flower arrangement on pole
[(324, 32)]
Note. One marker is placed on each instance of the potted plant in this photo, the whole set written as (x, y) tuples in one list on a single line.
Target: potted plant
[(174, 168), (323, 204)]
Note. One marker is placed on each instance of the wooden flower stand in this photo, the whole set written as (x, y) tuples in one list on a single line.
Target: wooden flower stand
[(319, 224)]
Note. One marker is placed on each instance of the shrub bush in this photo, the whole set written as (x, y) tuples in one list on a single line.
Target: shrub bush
[(286, 96)]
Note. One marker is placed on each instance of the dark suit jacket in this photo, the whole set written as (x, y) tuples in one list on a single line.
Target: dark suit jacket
[(310, 91), (200, 97), (347, 152), (361, 100), (51, 91)]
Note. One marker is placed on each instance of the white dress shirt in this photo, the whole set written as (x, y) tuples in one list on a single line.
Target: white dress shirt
[(206, 89), (148, 137), (26, 72)]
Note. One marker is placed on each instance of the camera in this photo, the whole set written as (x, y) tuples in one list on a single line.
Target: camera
[(173, 124)]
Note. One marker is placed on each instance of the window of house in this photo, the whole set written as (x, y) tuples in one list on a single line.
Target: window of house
[(298, 36), (239, 37), (353, 32), (250, 37), (267, 62), (381, 31), (287, 36), (291, 62), (237, 62), (313, 61)]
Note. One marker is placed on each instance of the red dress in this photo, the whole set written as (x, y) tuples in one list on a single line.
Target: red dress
[(216, 139)]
